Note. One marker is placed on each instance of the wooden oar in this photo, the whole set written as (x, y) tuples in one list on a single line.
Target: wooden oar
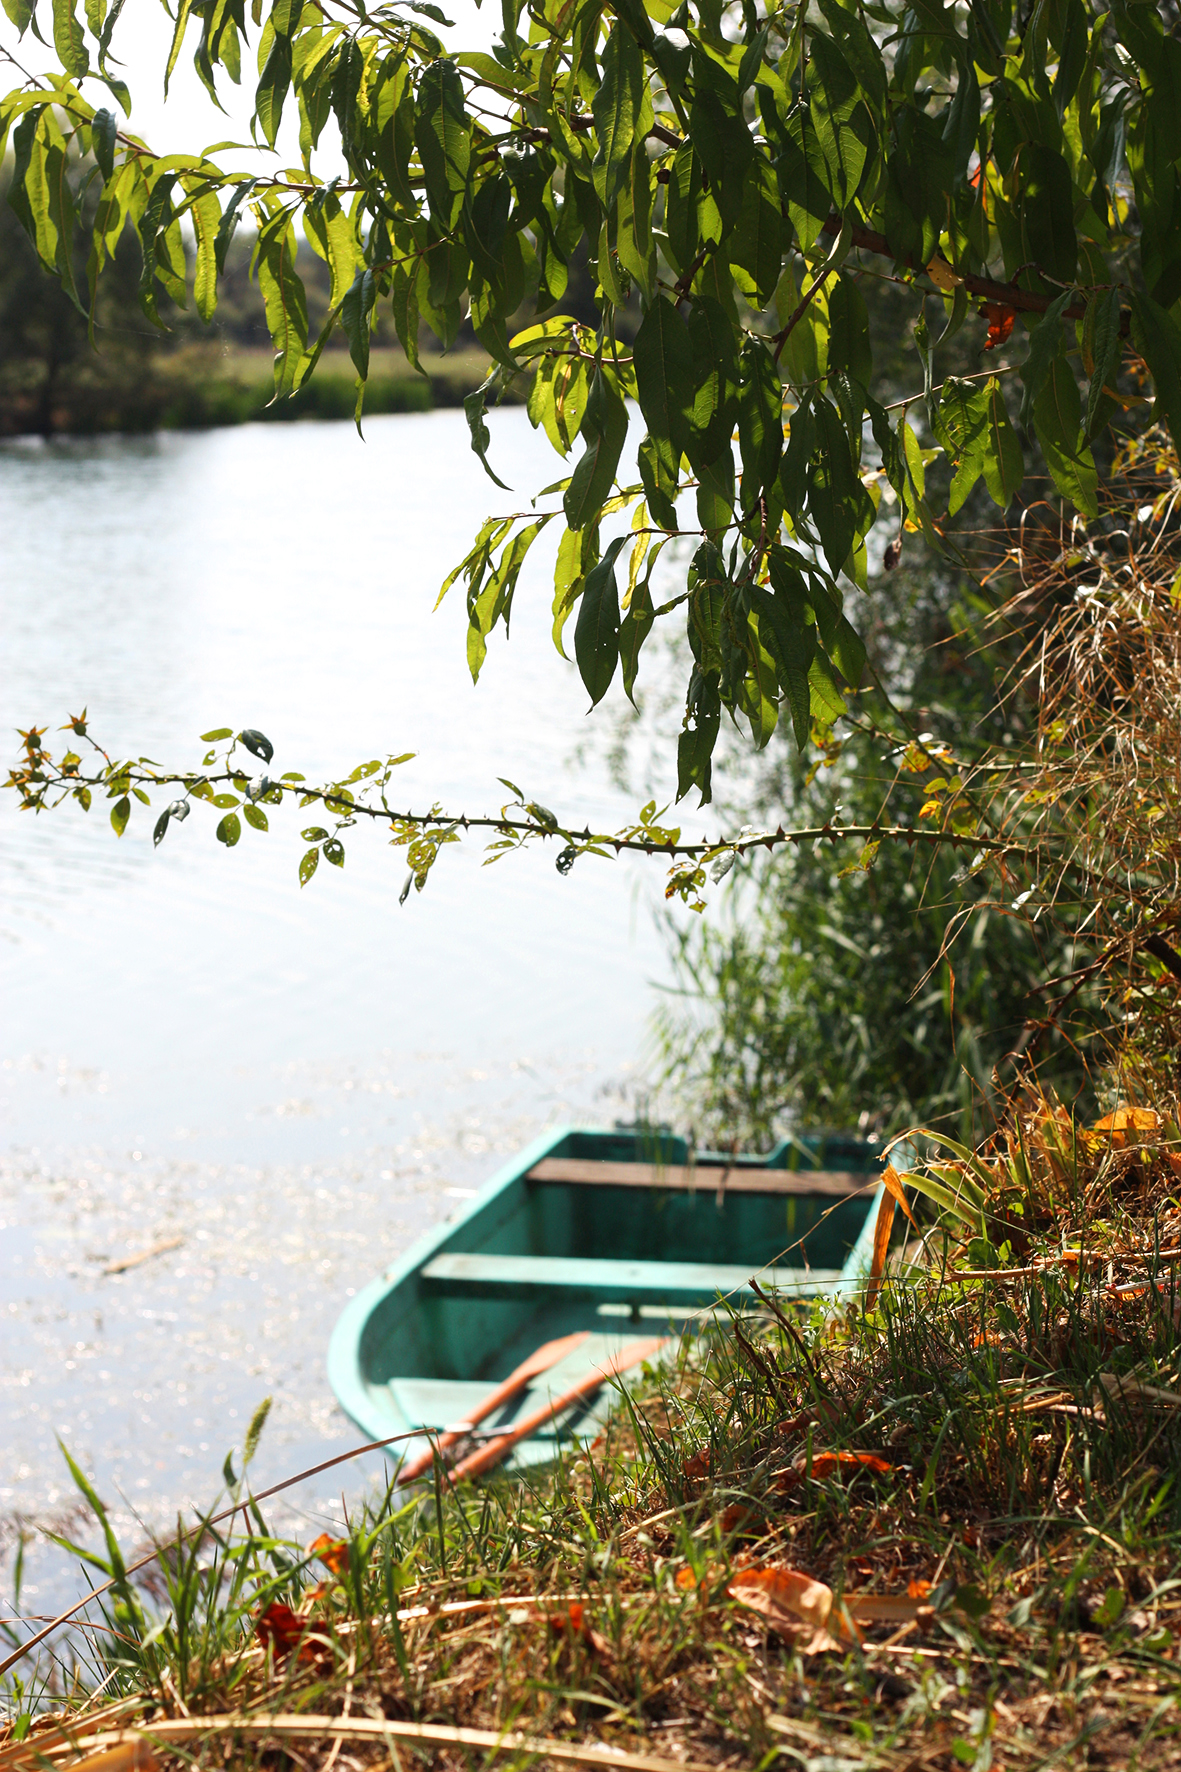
[(495, 1450), (540, 1360)]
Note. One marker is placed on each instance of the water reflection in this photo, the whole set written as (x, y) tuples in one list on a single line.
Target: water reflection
[(288, 1082)]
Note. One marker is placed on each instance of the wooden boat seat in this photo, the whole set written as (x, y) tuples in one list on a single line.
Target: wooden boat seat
[(628, 1282), (704, 1177)]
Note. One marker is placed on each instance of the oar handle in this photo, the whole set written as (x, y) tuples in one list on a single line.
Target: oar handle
[(495, 1450), (502, 1394)]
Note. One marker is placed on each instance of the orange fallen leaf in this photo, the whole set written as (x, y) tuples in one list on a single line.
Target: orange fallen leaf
[(332, 1552), (793, 1604), (686, 1578), (918, 1590), (1125, 1120), (826, 1464), (1000, 318), (695, 1468), (887, 1608)]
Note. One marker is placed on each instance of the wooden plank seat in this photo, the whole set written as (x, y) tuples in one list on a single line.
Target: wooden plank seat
[(705, 1177), (625, 1282)]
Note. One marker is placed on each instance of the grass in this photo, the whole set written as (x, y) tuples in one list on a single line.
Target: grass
[(1013, 1510)]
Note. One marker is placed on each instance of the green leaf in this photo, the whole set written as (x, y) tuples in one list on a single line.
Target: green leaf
[(355, 310), (1004, 468), (804, 178), (760, 421), (20, 12), (308, 866), (285, 301), (103, 131), (334, 852), (723, 144), (666, 378), (842, 123), (474, 408), (1157, 337), (205, 215), (1045, 342), (218, 733), (715, 403), (1058, 415), (229, 830), (257, 743), (273, 86), (120, 813), (1107, 352), (839, 637), (961, 425), (791, 642), (836, 498), (756, 244), (254, 815), (1048, 239), (183, 13), (596, 634), (634, 629), (69, 39), (604, 427), (616, 109), (849, 349), (441, 136)]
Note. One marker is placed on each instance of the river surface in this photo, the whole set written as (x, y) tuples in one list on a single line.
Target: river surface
[(291, 1084)]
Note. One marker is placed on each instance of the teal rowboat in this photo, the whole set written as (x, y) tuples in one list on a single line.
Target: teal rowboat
[(619, 1235)]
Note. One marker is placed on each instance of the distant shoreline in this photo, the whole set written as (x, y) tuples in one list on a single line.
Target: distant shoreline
[(202, 390)]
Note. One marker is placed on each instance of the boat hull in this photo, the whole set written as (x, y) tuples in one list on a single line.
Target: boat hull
[(615, 1234)]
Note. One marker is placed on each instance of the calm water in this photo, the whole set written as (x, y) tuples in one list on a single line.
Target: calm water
[(293, 1083)]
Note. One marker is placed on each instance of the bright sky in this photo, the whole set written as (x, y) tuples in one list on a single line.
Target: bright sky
[(188, 122)]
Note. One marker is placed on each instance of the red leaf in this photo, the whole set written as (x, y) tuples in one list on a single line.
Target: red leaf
[(278, 1627), (281, 1629), (1000, 317), (824, 1464)]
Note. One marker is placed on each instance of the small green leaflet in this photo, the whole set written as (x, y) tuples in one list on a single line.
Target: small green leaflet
[(229, 829)]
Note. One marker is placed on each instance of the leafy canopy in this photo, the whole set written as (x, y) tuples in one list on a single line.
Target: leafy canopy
[(733, 173)]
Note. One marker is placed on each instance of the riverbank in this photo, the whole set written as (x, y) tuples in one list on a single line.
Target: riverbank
[(201, 386), (941, 1533)]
